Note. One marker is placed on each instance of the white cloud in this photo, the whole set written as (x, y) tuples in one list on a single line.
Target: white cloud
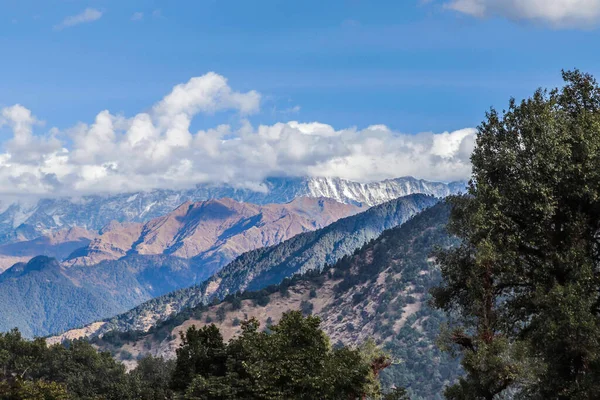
[(156, 149), (558, 13), (137, 16), (208, 93), (88, 15)]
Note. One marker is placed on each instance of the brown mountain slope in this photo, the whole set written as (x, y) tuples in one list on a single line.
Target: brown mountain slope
[(214, 231), (58, 245)]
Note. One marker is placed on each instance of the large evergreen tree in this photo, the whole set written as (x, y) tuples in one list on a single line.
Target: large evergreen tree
[(524, 286)]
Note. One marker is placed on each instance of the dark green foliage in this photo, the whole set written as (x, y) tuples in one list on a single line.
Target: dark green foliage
[(236, 303), (525, 283), (283, 291), (41, 372), (263, 299), (202, 352), (152, 377), (33, 390), (221, 314), (293, 361), (396, 394)]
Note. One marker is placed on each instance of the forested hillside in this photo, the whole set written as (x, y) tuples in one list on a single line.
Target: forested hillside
[(42, 296), (380, 292)]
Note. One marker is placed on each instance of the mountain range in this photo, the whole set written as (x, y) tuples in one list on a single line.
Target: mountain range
[(27, 220), (265, 266), (380, 292), (131, 262), (213, 232), (59, 245), (144, 266)]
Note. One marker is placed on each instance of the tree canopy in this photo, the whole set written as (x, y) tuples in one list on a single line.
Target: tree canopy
[(523, 288), (293, 361)]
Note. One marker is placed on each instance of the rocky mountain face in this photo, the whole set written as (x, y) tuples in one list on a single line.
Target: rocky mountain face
[(266, 266), (29, 220), (380, 292), (212, 232)]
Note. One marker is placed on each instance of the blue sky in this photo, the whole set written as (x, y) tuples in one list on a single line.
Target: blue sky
[(411, 65), (414, 67)]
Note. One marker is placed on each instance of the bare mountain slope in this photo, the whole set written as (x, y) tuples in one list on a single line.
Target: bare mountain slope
[(131, 262), (213, 231)]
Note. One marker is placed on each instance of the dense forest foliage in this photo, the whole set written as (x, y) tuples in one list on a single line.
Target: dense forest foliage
[(295, 360)]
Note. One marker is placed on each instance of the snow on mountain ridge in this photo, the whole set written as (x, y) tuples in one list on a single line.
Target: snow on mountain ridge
[(377, 192), (24, 220)]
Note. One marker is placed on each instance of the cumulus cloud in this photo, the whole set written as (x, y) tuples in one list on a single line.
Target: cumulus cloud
[(88, 15), (558, 13), (156, 149)]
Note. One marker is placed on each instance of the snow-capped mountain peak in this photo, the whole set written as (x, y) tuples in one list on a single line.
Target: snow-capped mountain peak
[(24, 220)]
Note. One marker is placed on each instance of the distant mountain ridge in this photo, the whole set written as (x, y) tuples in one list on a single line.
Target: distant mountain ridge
[(213, 232), (26, 221), (57, 244), (43, 296)]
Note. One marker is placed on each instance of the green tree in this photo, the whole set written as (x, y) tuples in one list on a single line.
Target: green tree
[(33, 390), (19, 358), (151, 378), (75, 370), (524, 285), (86, 373), (396, 394), (294, 361), (202, 352)]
